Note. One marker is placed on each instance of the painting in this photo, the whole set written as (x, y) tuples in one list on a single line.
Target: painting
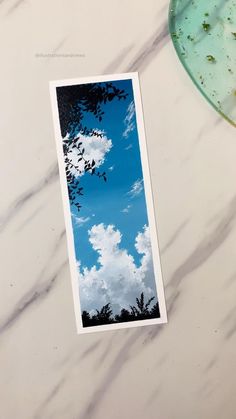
[(108, 204)]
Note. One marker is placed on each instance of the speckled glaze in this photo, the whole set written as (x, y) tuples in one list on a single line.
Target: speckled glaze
[(204, 36)]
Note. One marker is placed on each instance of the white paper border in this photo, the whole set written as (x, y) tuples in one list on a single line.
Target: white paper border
[(148, 194)]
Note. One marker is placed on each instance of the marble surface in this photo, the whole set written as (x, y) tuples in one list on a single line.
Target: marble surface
[(182, 370)]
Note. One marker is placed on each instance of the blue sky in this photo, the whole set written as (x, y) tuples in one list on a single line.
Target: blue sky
[(107, 200), (115, 259)]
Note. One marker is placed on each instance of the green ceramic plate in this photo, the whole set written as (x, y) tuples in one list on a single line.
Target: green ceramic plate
[(204, 36)]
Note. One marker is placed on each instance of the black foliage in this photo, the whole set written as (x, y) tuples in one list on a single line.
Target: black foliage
[(104, 316), (73, 182), (73, 102), (141, 311)]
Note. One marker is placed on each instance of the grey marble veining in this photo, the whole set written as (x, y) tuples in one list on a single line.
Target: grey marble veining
[(182, 370), (21, 200)]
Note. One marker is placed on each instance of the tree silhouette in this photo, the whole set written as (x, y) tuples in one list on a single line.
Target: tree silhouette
[(124, 316), (142, 311), (86, 319), (155, 311), (104, 316), (73, 104)]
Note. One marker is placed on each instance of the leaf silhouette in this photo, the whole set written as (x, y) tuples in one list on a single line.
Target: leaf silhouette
[(143, 311), (74, 102)]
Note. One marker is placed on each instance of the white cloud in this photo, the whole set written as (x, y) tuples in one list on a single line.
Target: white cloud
[(95, 148), (80, 221), (129, 120), (111, 168), (126, 209), (118, 279), (136, 188), (129, 147)]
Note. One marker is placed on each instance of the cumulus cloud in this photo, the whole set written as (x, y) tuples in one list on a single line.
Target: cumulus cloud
[(95, 148), (118, 279), (136, 188), (129, 120)]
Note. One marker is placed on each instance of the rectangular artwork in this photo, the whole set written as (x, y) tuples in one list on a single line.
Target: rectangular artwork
[(108, 204)]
